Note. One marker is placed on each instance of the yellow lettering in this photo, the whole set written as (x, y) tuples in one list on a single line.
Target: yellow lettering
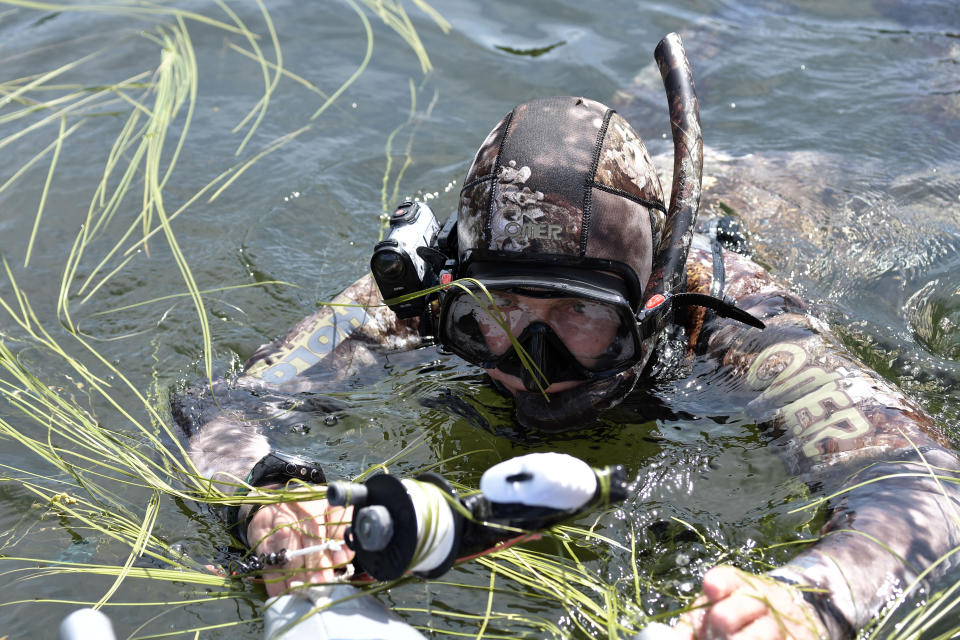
[(308, 349), (842, 425), (766, 370), (306, 357), (780, 373), (814, 407)]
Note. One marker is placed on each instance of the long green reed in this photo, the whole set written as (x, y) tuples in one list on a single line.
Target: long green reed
[(92, 469)]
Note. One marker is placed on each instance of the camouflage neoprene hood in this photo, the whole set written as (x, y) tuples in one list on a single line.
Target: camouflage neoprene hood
[(564, 177)]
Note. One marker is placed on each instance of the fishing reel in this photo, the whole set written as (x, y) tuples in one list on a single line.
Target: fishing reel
[(421, 526)]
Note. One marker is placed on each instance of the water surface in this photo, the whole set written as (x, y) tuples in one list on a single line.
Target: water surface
[(850, 109)]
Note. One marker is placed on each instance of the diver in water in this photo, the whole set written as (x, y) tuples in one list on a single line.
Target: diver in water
[(608, 291)]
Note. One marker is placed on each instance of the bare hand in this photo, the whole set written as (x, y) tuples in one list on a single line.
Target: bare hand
[(742, 606), (297, 525)]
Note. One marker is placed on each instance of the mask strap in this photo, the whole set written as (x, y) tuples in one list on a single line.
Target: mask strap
[(654, 314)]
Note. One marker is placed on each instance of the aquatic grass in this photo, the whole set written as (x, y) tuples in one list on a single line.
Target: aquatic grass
[(174, 84), (287, 73), (72, 108), (387, 152), (128, 8), (270, 84), (414, 120), (538, 627), (394, 16), (109, 452), (175, 296), (45, 406), (39, 156), (368, 54), (92, 460), (228, 176), (45, 191), (589, 601)]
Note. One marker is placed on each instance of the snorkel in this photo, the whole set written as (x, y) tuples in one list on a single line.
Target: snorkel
[(677, 230)]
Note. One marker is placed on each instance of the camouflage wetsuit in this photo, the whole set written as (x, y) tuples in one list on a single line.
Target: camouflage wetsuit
[(827, 415)]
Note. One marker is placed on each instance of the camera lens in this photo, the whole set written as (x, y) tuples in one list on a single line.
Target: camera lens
[(388, 265)]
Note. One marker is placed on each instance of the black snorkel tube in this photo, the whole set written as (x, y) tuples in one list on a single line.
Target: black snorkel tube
[(668, 268), (667, 278)]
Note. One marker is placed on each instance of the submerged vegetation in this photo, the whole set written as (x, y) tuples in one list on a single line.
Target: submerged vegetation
[(98, 489)]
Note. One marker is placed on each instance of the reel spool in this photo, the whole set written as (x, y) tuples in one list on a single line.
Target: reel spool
[(417, 526), (401, 526)]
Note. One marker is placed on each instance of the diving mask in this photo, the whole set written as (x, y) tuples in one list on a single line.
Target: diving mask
[(572, 325)]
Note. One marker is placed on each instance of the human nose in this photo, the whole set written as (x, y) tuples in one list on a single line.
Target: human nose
[(516, 319), (520, 314)]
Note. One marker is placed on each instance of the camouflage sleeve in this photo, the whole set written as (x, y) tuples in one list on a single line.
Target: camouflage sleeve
[(333, 343), (836, 422), (226, 421)]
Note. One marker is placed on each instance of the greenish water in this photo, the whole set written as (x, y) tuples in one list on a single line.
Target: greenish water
[(858, 103)]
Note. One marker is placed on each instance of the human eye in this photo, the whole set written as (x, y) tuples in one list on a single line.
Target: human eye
[(572, 307)]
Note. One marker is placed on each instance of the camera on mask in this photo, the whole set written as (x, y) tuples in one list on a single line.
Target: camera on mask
[(401, 263)]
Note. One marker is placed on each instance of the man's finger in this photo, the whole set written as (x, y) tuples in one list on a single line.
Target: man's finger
[(765, 628), (691, 624), (734, 613), (720, 582), (274, 583)]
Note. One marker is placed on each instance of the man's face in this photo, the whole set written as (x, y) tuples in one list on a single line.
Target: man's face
[(586, 328)]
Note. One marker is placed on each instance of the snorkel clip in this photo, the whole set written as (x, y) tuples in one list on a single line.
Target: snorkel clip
[(655, 313)]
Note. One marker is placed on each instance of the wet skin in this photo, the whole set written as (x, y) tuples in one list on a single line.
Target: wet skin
[(297, 525)]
